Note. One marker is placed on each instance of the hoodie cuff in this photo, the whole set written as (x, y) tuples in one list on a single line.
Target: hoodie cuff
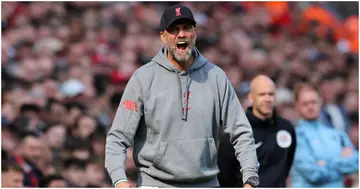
[(120, 180), (248, 174), (117, 176)]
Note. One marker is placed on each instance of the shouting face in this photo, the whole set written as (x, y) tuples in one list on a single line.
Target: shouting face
[(179, 39)]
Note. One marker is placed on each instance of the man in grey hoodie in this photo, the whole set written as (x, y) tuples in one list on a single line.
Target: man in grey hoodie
[(172, 110)]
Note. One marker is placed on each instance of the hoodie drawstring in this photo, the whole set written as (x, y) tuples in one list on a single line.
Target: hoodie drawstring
[(184, 117), (184, 96)]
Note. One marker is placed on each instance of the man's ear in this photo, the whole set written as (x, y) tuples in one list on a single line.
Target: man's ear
[(163, 37)]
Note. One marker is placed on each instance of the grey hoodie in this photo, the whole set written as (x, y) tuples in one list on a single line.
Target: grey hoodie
[(175, 135)]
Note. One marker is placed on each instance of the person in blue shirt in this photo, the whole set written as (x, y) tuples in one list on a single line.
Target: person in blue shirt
[(323, 155)]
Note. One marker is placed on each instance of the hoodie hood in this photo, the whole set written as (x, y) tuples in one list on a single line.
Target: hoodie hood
[(184, 77)]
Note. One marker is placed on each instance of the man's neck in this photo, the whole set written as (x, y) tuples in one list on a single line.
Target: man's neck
[(180, 66)]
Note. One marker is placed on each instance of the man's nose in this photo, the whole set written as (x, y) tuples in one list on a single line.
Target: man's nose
[(181, 33), (268, 98)]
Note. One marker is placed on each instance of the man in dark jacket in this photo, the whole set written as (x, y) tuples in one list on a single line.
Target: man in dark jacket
[(275, 140)]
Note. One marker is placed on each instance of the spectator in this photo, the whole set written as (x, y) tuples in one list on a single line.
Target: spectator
[(323, 154), (54, 136), (53, 181), (75, 109), (54, 139), (55, 112), (11, 175), (74, 171), (32, 111), (83, 127), (332, 114), (27, 154), (95, 172)]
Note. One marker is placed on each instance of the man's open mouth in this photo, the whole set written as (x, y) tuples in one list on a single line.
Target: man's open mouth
[(181, 45)]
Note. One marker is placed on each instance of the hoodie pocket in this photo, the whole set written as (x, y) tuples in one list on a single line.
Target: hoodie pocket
[(186, 160)]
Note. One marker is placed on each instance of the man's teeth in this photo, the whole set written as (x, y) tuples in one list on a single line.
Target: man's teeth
[(181, 42)]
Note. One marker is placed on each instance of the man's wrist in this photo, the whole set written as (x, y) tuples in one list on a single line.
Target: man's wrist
[(253, 181), (120, 180)]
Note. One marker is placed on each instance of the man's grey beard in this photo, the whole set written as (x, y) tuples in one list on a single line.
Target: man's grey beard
[(184, 59)]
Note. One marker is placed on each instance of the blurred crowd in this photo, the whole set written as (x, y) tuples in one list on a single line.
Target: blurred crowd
[(65, 66)]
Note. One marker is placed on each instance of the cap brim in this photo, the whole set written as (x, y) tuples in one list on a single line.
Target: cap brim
[(178, 19)]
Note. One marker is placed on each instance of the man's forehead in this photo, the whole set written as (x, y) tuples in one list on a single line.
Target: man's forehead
[(308, 94), (13, 172)]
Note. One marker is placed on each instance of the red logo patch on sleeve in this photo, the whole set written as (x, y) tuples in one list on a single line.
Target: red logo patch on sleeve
[(130, 105)]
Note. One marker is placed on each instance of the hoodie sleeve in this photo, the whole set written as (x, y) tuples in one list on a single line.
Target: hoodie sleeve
[(123, 129), (307, 165), (236, 124), (346, 165)]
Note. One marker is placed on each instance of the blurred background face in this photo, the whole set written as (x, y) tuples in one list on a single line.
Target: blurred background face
[(31, 149), (8, 112), (76, 176), (12, 179), (56, 136), (95, 173), (86, 127), (58, 112), (262, 98), (328, 91), (308, 105), (57, 184)]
